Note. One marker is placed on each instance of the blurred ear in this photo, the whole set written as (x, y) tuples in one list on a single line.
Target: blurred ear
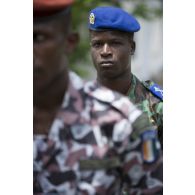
[(72, 42), (133, 46)]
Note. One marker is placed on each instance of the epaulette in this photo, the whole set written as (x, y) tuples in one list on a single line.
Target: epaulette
[(154, 88)]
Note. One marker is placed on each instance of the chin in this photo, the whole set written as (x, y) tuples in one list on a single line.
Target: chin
[(108, 75)]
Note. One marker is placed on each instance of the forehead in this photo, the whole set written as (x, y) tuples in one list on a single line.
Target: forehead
[(51, 23), (109, 34)]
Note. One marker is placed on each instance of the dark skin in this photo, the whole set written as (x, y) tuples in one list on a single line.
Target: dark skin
[(111, 54), (52, 43)]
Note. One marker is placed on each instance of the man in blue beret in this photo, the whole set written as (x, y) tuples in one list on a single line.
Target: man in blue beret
[(112, 45)]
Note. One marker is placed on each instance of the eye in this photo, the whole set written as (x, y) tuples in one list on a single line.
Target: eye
[(38, 37), (116, 43), (96, 44)]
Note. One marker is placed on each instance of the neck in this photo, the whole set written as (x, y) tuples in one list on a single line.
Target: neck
[(120, 84)]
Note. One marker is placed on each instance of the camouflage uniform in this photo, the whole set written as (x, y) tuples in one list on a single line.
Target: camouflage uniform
[(89, 149), (140, 94)]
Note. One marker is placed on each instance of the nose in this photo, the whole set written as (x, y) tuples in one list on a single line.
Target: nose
[(106, 50)]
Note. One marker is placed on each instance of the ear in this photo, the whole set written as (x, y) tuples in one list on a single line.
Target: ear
[(72, 41), (133, 46)]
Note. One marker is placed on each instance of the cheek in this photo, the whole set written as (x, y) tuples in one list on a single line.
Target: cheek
[(45, 53), (124, 54), (54, 60), (55, 54), (94, 56), (123, 58), (126, 60), (120, 55)]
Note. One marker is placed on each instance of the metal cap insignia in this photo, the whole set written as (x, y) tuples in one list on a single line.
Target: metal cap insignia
[(92, 18)]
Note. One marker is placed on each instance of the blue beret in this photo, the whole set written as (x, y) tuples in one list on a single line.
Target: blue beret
[(112, 18)]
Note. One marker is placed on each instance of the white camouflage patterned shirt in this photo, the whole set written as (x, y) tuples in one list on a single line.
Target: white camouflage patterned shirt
[(98, 144)]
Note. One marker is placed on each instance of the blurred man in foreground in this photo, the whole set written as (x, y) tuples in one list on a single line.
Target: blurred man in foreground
[(87, 139)]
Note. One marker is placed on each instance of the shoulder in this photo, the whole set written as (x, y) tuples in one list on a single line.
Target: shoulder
[(76, 81), (115, 101), (154, 88), (118, 103)]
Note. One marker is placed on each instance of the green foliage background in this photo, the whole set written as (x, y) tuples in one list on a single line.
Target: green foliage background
[(80, 59)]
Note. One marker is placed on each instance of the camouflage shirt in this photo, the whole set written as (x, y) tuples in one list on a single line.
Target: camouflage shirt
[(140, 94), (89, 149)]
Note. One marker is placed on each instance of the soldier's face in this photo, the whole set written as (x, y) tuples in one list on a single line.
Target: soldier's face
[(111, 53), (51, 45)]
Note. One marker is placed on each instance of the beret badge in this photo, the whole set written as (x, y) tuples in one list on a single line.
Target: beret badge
[(92, 18)]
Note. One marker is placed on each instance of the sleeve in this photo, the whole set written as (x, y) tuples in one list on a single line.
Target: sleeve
[(142, 161), (158, 108)]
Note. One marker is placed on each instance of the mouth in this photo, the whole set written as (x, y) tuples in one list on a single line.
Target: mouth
[(106, 63)]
